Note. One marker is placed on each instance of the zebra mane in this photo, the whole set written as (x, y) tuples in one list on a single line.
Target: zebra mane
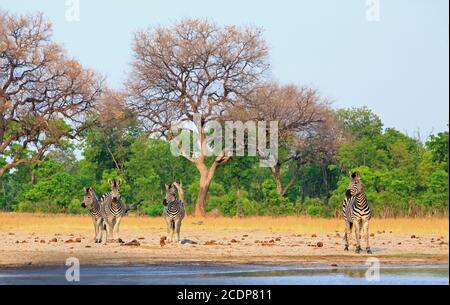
[(104, 196)]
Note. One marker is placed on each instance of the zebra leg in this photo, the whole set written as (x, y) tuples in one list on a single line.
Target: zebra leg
[(169, 226), (116, 230), (357, 225), (98, 230), (347, 234), (366, 235), (109, 230), (172, 230), (94, 221), (178, 229)]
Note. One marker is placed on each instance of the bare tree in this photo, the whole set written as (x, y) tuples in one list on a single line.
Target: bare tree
[(306, 127), (43, 94), (194, 68)]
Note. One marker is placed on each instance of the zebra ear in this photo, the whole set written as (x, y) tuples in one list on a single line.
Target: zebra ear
[(357, 175), (167, 187), (87, 189), (110, 182), (119, 182), (350, 174)]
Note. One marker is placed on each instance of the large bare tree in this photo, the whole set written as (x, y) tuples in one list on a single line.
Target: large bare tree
[(193, 68), (44, 95), (306, 127)]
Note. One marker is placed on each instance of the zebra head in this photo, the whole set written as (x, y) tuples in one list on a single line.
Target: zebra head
[(170, 194), (115, 189), (90, 198), (355, 186)]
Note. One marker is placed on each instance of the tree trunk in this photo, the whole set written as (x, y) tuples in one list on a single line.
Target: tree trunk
[(206, 176), (202, 195), (277, 177)]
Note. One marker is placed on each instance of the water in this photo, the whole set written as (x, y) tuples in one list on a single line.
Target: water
[(226, 275)]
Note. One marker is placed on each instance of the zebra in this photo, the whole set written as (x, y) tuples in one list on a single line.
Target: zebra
[(174, 210), (356, 212), (92, 201), (113, 209)]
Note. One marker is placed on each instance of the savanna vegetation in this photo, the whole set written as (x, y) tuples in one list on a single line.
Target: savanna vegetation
[(62, 129)]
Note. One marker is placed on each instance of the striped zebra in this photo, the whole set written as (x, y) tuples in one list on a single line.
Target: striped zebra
[(92, 201), (174, 211), (357, 212), (113, 209)]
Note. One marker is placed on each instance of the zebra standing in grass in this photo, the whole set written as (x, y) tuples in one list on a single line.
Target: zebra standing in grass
[(174, 211), (113, 209), (95, 210), (357, 212)]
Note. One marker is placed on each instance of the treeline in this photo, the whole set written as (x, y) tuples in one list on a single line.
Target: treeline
[(403, 177), (63, 129)]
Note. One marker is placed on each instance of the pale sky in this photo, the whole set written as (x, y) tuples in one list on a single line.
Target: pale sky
[(397, 66)]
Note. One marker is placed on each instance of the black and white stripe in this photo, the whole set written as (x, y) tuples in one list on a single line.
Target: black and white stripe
[(356, 212), (173, 213), (91, 200), (113, 209)]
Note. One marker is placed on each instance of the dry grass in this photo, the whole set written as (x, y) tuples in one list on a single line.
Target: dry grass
[(69, 223)]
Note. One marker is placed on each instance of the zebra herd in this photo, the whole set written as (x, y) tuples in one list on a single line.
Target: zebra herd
[(107, 212)]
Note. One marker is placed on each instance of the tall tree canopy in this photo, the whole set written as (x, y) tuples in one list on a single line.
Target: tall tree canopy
[(194, 68), (44, 95)]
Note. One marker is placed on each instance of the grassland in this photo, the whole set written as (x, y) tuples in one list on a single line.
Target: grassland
[(290, 224), (43, 239)]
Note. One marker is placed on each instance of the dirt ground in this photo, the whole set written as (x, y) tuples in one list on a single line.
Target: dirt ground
[(39, 240)]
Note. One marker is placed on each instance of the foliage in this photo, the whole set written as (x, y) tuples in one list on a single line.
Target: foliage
[(402, 176)]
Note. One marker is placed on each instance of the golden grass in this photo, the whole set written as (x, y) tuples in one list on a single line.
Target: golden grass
[(10, 222)]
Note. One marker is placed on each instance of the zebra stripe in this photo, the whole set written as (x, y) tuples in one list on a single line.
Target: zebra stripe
[(113, 209), (360, 209), (356, 212)]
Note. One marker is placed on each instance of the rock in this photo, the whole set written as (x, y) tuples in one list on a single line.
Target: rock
[(42, 241), (78, 240), (87, 246), (162, 241), (11, 234), (334, 265), (133, 243), (271, 241), (399, 243), (278, 239), (24, 241), (210, 243), (69, 241), (320, 244), (338, 235), (234, 241), (141, 238), (413, 236), (245, 235), (53, 240), (17, 242), (314, 235), (372, 235)]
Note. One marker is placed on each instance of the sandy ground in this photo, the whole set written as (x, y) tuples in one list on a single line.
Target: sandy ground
[(32, 244)]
